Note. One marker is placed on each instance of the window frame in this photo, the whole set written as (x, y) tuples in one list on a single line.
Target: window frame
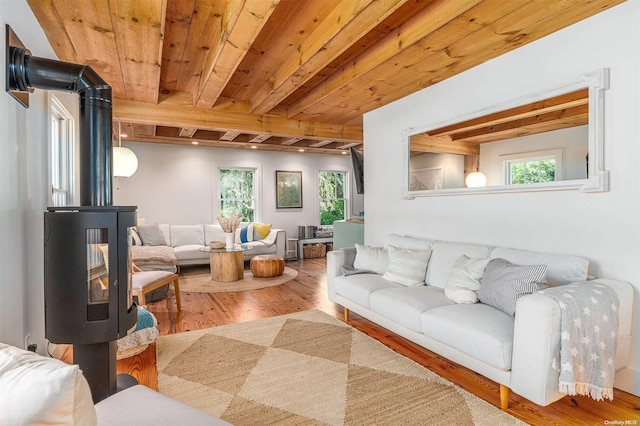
[(62, 151), (346, 194), (526, 157), (255, 188)]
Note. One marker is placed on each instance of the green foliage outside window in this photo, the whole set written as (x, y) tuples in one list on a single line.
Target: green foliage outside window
[(237, 193), (533, 171), (332, 197)]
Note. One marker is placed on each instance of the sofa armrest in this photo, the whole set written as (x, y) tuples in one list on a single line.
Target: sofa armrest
[(536, 342), (281, 242), (334, 269), (140, 405)]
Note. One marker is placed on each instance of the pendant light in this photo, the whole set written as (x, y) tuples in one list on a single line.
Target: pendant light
[(125, 162), (476, 178)]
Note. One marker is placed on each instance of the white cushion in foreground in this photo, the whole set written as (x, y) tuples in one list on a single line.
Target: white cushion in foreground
[(40, 390)]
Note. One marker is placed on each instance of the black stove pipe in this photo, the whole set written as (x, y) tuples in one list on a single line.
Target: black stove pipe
[(26, 71)]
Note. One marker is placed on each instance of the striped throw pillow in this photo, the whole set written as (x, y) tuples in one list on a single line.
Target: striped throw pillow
[(407, 267), (503, 283)]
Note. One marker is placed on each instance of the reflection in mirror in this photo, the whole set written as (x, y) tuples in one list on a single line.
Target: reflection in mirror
[(542, 144)]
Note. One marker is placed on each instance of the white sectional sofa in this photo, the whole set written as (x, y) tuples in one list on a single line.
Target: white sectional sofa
[(185, 244), (520, 352)]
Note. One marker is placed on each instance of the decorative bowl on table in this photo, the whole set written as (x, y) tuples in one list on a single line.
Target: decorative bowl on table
[(216, 244)]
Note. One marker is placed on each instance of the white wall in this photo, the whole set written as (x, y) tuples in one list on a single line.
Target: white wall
[(23, 194), (603, 227), (452, 166), (178, 184)]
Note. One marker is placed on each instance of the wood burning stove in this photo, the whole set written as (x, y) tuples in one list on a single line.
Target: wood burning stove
[(88, 294)]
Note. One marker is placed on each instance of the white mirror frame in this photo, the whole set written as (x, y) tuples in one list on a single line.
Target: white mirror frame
[(598, 181)]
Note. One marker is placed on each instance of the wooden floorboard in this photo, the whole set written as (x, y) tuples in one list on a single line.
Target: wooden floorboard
[(308, 291)]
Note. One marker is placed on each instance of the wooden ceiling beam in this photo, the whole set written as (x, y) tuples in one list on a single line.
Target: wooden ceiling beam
[(570, 117), (222, 120), (139, 30), (241, 24), (291, 141), (569, 100), (187, 132), (347, 23), (322, 143), (235, 145), (259, 138), (429, 19), (441, 144), (229, 136)]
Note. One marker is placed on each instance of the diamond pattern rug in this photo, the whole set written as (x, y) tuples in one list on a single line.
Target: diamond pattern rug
[(309, 368)]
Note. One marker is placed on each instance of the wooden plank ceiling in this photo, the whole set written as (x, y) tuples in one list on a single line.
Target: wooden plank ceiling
[(285, 75)]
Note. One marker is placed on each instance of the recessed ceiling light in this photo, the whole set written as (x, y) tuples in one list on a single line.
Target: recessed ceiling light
[(123, 135), (344, 153), (195, 143), (301, 150), (254, 147)]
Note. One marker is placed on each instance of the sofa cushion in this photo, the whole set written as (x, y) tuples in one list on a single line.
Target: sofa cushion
[(406, 242), (464, 279), (348, 257), (244, 234), (563, 268), (503, 283), (407, 267), (151, 235), (183, 235), (358, 288), (213, 233), (261, 230), (478, 330), (374, 259), (190, 252), (445, 255), (42, 390), (405, 305)]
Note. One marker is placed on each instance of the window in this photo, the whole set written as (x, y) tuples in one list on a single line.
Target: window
[(333, 196), (238, 193), (61, 155), (533, 167)]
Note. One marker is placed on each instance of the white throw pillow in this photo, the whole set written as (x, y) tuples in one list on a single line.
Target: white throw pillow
[(40, 390), (374, 259), (464, 279), (407, 267)]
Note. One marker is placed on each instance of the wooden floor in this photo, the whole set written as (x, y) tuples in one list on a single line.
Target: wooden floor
[(308, 291)]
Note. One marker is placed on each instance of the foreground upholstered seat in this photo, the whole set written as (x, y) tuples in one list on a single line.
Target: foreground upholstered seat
[(146, 281)]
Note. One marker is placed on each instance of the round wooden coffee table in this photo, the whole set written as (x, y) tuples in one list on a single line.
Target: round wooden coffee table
[(227, 265)]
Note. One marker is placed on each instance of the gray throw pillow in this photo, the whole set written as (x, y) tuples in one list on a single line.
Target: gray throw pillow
[(503, 283), (151, 235), (348, 256)]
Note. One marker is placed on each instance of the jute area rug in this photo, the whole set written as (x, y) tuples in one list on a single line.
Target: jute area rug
[(198, 280), (309, 368)]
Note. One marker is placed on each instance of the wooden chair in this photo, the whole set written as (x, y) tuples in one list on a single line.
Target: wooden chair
[(147, 281)]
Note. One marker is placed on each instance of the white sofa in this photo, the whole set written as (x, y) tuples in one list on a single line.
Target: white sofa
[(519, 352), (187, 242)]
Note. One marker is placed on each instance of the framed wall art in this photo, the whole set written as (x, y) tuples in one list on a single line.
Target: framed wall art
[(288, 189)]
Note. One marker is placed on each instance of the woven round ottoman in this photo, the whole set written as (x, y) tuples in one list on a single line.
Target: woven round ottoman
[(266, 265)]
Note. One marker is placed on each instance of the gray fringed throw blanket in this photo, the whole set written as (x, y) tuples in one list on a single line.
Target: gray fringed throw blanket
[(589, 326)]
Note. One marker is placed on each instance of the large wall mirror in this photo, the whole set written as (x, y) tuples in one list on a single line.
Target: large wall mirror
[(546, 141)]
